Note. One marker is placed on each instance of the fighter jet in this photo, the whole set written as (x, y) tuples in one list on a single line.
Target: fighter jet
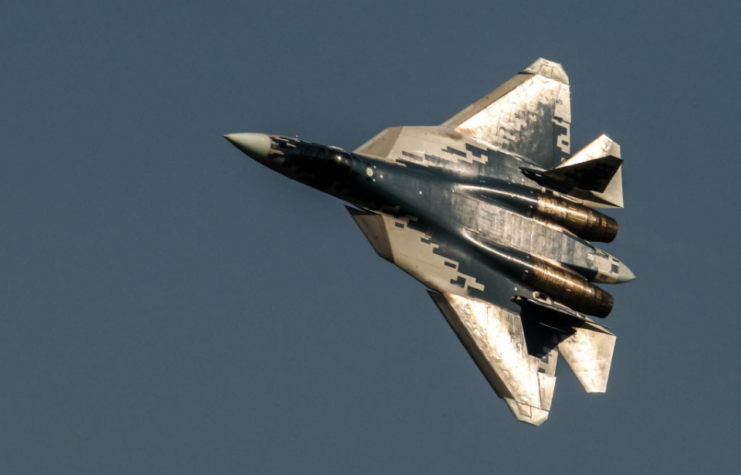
[(496, 217)]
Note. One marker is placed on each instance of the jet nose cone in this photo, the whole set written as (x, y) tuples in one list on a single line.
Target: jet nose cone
[(256, 146), (624, 274)]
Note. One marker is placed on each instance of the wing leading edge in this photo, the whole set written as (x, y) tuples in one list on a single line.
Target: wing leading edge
[(495, 339), (529, 115)]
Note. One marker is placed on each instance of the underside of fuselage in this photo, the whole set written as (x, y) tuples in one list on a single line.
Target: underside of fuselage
[(493, 214), (468, 207)]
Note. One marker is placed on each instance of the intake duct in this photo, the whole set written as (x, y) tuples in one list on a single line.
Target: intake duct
[(579, 219)]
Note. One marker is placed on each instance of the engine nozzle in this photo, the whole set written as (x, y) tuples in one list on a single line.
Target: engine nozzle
[(568, 288), (581, 220)]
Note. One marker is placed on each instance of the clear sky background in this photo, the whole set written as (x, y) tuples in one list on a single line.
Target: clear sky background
[(168, 305)]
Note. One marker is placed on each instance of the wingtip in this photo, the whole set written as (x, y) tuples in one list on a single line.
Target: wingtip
[(527, 414), (549, 69)]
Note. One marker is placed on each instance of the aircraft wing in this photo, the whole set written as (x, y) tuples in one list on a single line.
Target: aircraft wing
[(495, 339), (529, 115), (514, 344)]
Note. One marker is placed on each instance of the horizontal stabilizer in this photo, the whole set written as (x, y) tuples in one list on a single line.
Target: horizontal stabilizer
[(589, 354), (593, 175), (602, 146), (586, 346)]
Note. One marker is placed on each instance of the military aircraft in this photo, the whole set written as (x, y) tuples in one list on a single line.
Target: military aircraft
[(496, 217)]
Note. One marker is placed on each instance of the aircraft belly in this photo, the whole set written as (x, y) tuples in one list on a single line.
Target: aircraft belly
[(458, 213), (511, 229), (436, 258)]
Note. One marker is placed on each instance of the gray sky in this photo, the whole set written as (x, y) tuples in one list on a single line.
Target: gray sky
[(170, 306)]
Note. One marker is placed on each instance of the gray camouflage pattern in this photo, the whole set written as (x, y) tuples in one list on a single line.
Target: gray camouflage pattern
[(460, 207)]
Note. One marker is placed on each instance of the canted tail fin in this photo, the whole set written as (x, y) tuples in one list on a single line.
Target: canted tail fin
[(593, 174)]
